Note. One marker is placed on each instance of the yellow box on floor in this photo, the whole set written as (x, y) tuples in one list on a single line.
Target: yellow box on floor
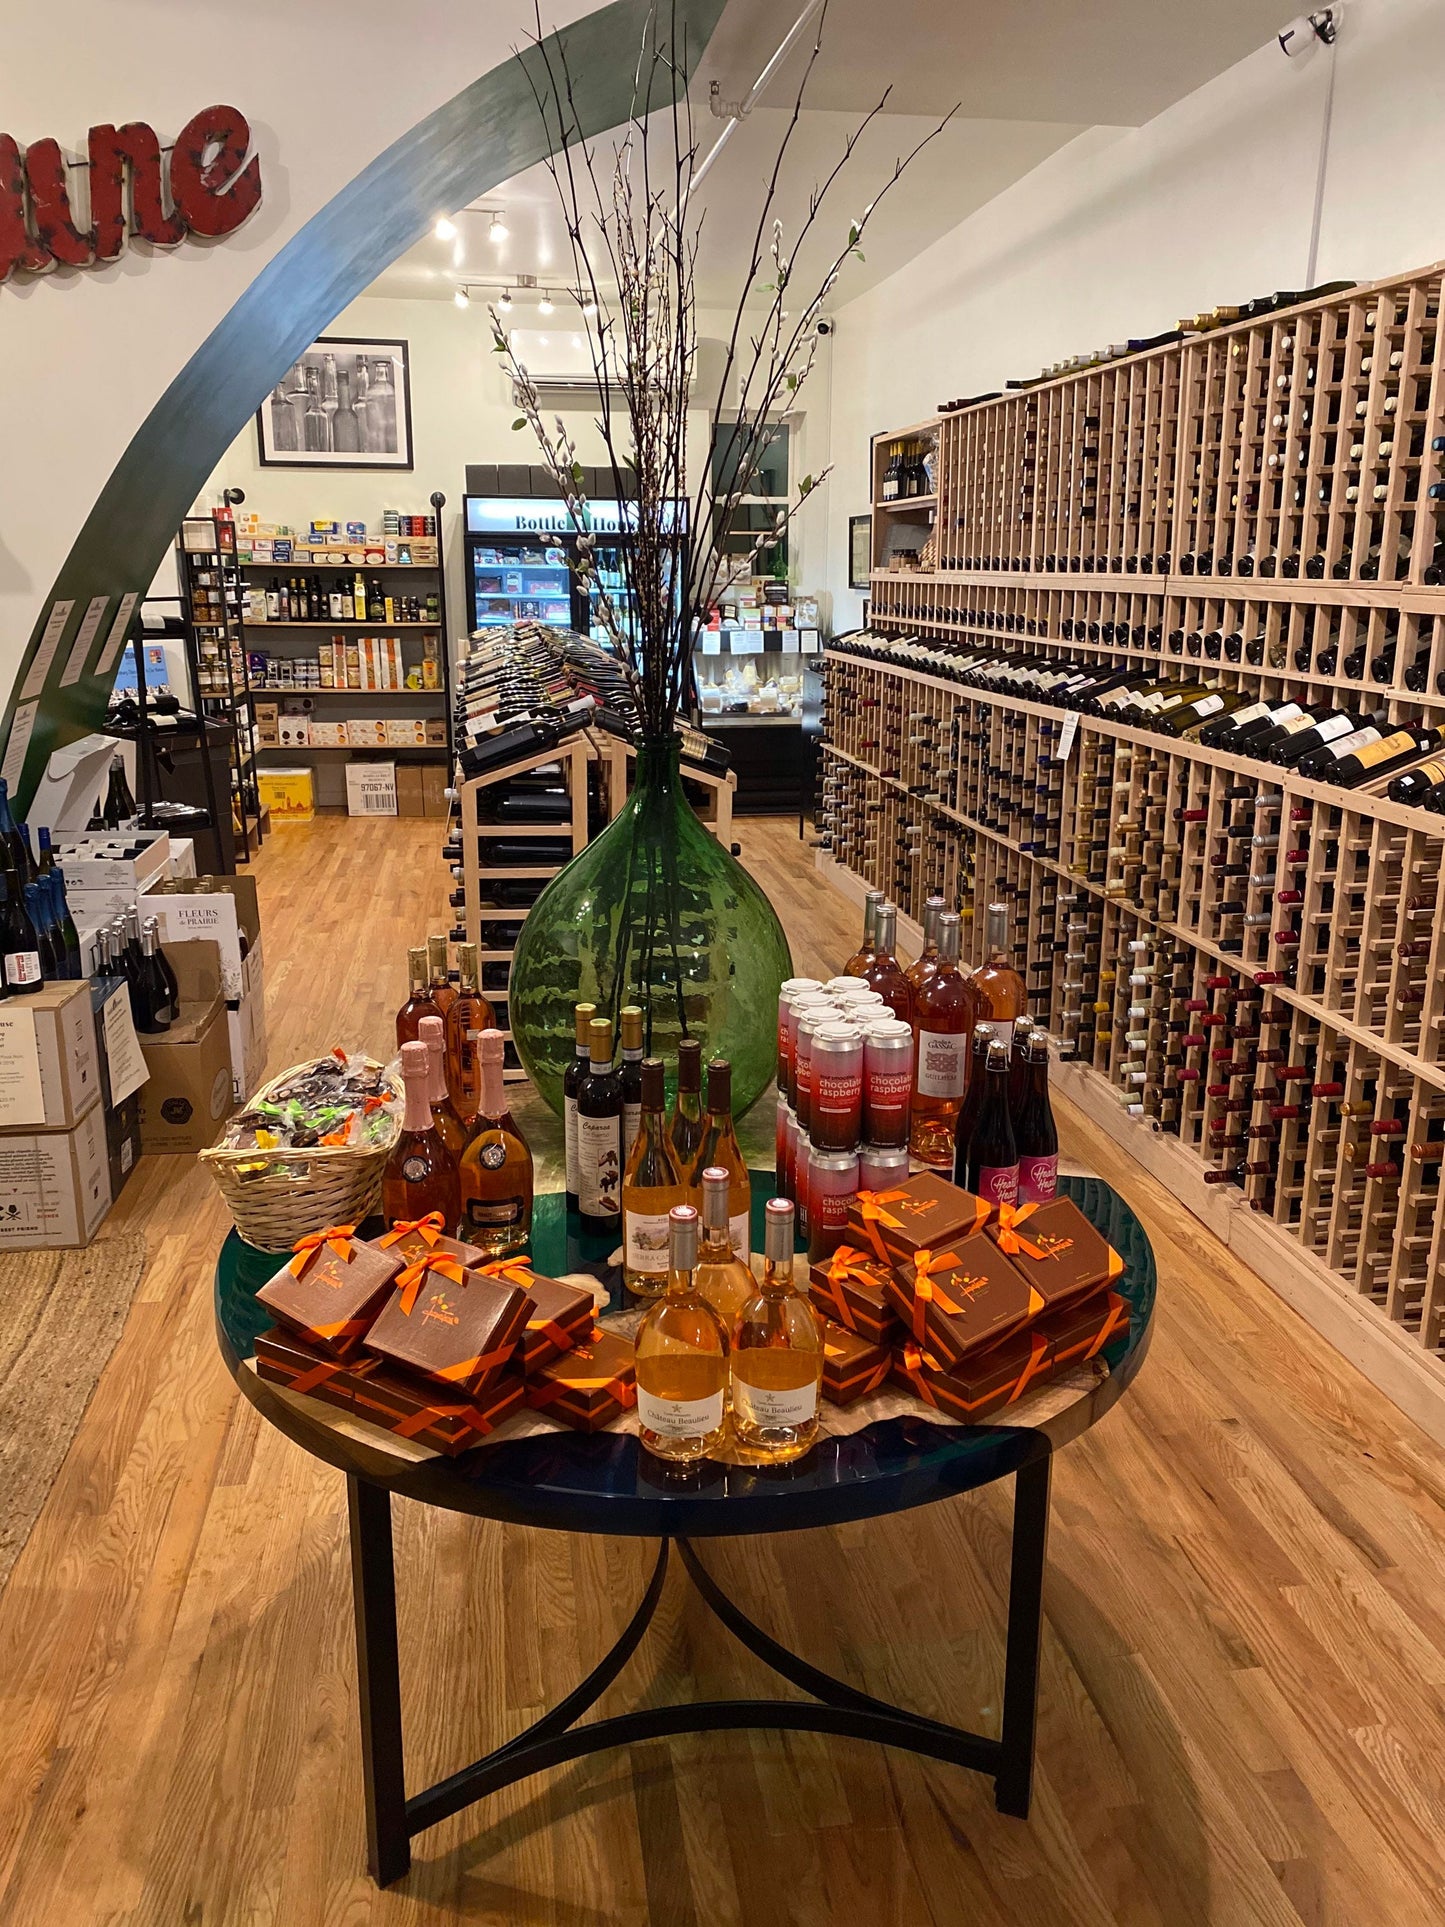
[(289, 794)]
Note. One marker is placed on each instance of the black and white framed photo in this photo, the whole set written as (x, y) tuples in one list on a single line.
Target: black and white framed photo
[(344, 404), (860, 550)]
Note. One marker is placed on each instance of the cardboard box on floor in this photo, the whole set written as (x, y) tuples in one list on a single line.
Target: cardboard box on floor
[(50, 1069), (224, 913), (435, 778), (54, 1185), (410, 792), (187, 1097)]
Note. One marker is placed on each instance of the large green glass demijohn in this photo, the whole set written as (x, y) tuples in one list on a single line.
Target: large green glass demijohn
[(654, 912)]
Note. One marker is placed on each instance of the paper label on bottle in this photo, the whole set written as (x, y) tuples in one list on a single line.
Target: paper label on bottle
[(761, 1406), (569, 1133), (1331, 728), (22, 967), (631, 1125), (998, 1183), (646, 1236), (1208, 706), (489, 1213), (1357, 739), (1387, 747), (738, 1235), (599, 1165), (680, 1418), (1038, 1179), (942, 1065)]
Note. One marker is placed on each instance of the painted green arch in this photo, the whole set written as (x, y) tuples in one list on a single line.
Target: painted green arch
[(481, 137)]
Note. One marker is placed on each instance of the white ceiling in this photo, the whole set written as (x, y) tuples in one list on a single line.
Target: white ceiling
[(1029, 74)]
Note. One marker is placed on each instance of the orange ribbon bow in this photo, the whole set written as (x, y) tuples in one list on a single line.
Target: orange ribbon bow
[(429, 1228), (1010, 1216), (870, 1209), (927, 1290), (410, 1282), (846, 1262), (516, 1271), (336, 1237)]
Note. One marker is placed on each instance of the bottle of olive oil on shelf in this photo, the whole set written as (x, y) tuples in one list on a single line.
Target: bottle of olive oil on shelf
[(776, 1355), (651, 1186), (682, 1358)]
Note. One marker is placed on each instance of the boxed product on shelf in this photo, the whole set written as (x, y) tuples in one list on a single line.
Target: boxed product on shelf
[(293, 731), (327, 735), (435, 728), (289, 794), (106, 871), (366, 732), (50, 1071), (371, 789), (405, 732)]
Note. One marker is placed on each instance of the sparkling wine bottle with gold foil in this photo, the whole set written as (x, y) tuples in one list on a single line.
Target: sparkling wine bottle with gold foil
[(776, 1355), (687, 1125), (720, 1147), (453, 1132), (651, 1186), (682, 1358), (421, 1173), (469, 1015), (439, 971), (496, 1169), (418, 1003), (722, 1277)]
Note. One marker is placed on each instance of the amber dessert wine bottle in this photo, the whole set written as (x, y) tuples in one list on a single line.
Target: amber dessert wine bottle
[(421, 1173), (720, 1147), (682, 1358), (419, 1002), (496, 1169), (651, 1186), (599, 1134), (776, 1356)]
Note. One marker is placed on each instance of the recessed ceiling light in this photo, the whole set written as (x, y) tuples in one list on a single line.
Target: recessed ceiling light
[(589, 307), (462, 298), (544, 306), (445, 230), (498, 231), (504, 301)]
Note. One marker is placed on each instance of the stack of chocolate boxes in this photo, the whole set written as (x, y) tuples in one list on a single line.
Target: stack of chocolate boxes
[(417, 1333), (967, 1304)]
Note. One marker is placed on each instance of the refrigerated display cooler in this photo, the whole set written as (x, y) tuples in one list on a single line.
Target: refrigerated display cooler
[(520, 556)]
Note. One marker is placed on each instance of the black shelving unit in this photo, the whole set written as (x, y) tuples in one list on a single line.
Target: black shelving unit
[(210, 583)]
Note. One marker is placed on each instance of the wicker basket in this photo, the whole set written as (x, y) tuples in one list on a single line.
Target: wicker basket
[(305, 1190)]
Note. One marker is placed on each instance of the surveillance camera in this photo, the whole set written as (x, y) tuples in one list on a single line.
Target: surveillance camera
[(1305, 31), (823, 328)]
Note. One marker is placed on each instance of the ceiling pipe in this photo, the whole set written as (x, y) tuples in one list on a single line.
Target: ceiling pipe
[(745, 106)]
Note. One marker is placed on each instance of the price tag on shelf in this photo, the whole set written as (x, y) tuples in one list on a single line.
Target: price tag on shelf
[(711, 642), (49, 642), (745, 642), (1067, 734)]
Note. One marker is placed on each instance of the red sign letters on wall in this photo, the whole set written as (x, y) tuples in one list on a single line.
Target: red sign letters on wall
[(213, 188)]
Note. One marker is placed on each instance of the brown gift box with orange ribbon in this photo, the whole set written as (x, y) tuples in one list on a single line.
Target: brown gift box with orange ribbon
[(452, 1325), (412, 1238), (991, 1380), (848, 1288), (561, 1319), (924, 1213), (1055, 1247), (287, 1360), (590, 1386), (331, 1290), (961, 1299), (852, 1367), (412, 1408)]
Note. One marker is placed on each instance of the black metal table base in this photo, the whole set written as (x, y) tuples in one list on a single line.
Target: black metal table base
[(392, 1818)]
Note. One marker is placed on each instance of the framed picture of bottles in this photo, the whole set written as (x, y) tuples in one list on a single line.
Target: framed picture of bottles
[(343, 404)]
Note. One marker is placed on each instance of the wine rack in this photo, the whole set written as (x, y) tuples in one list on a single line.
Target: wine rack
[(1243, 967)]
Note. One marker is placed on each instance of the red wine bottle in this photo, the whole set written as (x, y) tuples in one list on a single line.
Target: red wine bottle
[(992, 1164), (1035, 1136)]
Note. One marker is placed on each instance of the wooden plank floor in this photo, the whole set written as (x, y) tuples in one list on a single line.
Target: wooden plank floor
[(1244, 1658)]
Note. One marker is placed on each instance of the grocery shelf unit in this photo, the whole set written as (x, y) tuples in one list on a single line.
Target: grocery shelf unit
[(494, 927), (210, 585), (1254, 502), (903, 527), (334, 703)]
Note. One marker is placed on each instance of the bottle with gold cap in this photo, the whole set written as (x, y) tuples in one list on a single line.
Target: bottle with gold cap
[(469, 1015), (419, 1002), (599, 1134), (439, 969), (572, 1077), (630, 1025)]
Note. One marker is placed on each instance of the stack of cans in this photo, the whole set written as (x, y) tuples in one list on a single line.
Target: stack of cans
[(845, 1084)]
